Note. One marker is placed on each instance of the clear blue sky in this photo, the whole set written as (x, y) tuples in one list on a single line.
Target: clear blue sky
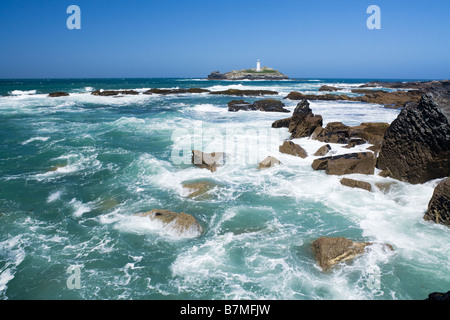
[(167, 38)]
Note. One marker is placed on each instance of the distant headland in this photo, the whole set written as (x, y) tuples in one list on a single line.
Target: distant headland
[(258, 73)]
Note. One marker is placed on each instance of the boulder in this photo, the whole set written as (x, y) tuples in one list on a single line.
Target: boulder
[(58, 94), (356, 184), (372, 132), (282, 123), (236, 105), (199, 189), (290, 147), (323, 150), (350, 163), (335, 132), (268, 162), (269, 105), (353, 142), (108, 93), (209, 161), (328, 88), (442, 296), (182, 224), (439, 206), (416, 146), (329, 251)]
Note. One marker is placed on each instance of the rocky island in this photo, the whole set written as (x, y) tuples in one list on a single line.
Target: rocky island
[(258, 73)]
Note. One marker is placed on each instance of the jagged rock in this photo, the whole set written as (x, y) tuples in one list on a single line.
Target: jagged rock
[(416, 146), (175, 91), (356, 184), (323, 150), (350, 163), (439, 205), (108, 93), (236, 105), (290, 147), (353, 142), (372, 132), (268, 162), (266, 73), (439, 296), (335, 132), (329, 251), (58, 94), (179, 223), (328, 88), (269, 105), (294, 95), (209, 161), (302, 123)]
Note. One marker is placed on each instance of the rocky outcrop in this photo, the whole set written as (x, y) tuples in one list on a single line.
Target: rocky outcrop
[(322, 151), (175, 91), (441, 296), (181, 224), (329, 251), (356, 184), (328, 88), (291, 148), (266, 73), (334, 132), (350, 163), (439, 205), (58, 94), (267, 105), (268, 162), (208, 161), (108, 93), (241, 93), (416, 146), (302, 123)]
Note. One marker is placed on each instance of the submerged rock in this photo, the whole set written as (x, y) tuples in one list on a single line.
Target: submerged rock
[(416, 146), (199, 189), (323, 150), (108, 93), (290, 147), (240, 93), (268, 162), (209, 161), (182, 224), (58, 94), (236, 105), (329, 251), (356, 184), (439, 205), (350, 163)]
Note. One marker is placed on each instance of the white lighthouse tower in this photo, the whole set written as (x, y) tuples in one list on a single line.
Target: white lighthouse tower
[(258, 66)]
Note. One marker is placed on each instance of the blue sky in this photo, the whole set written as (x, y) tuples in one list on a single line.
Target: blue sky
[(167, 38)]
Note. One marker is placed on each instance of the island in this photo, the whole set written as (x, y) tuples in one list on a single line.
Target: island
[(258, 73)]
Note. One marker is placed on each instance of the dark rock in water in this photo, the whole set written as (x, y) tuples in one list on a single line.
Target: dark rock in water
[(439, 205), (335, 132), (329, 251), (372, 132), (209, 161), (360, 162), (290, 147), (268, 162), (328, 88), (302, 123), (323, 150), (356, 184), (175, 91), (236, 105), (270, 105), (439, 296), (353, 142), (240, 93), (416, 146), (216, 75), (107, 93), (58, 94)]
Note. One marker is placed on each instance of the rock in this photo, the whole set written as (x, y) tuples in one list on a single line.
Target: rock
[(328, 88), (294, 149), (356, 184), (175, 91), (269, 105), (236, 105), (58, 94), (302, 123), (353, 142), (372, 132), (268, 162), (439, 205), (329, 251), (323, 150), (385, 187), (240, 93), (108, 93), (439, 296), (266, 73), (335, 132), (294, 95), (179, 223), (395, 99), (416, 146), (198, 190), (350, 163), (209, 161)]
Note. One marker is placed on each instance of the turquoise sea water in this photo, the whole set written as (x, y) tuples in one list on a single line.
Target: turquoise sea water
[(74, 170)]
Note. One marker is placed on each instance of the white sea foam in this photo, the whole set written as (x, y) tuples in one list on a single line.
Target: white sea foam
[(35, 139), (56, 195), (22, 92)]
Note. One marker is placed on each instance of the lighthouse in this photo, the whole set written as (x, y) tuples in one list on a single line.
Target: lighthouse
[(258, 66)]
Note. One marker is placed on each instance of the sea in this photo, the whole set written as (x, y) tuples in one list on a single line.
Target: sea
[(75, 170)]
